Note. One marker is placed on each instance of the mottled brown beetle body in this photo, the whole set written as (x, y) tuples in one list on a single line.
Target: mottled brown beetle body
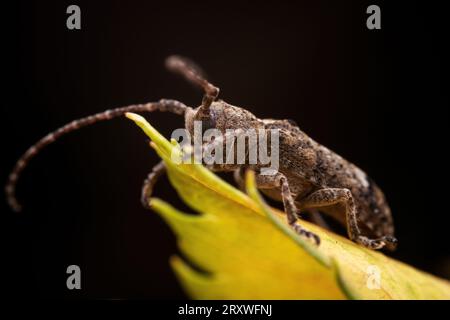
[(318, 178), (311, 178), (315, 167)]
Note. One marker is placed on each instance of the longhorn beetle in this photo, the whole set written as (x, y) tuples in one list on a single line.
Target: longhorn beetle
[(311, 178)]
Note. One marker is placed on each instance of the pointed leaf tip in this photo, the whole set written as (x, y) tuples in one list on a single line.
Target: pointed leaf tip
[(151, 132), (135, 117)]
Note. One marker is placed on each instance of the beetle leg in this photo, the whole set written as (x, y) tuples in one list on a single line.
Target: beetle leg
[(147, 188), (333, 196), (280, 181)]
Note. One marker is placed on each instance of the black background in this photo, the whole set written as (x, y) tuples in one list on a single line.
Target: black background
[(377, 97)]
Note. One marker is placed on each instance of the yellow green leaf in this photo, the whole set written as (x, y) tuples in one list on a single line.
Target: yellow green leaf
[(237, 247)]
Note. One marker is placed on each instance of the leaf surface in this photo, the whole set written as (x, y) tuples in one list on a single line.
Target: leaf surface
[(237, 247)]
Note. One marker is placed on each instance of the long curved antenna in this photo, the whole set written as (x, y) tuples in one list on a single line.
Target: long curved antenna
[(193, 74), (172, 106)]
